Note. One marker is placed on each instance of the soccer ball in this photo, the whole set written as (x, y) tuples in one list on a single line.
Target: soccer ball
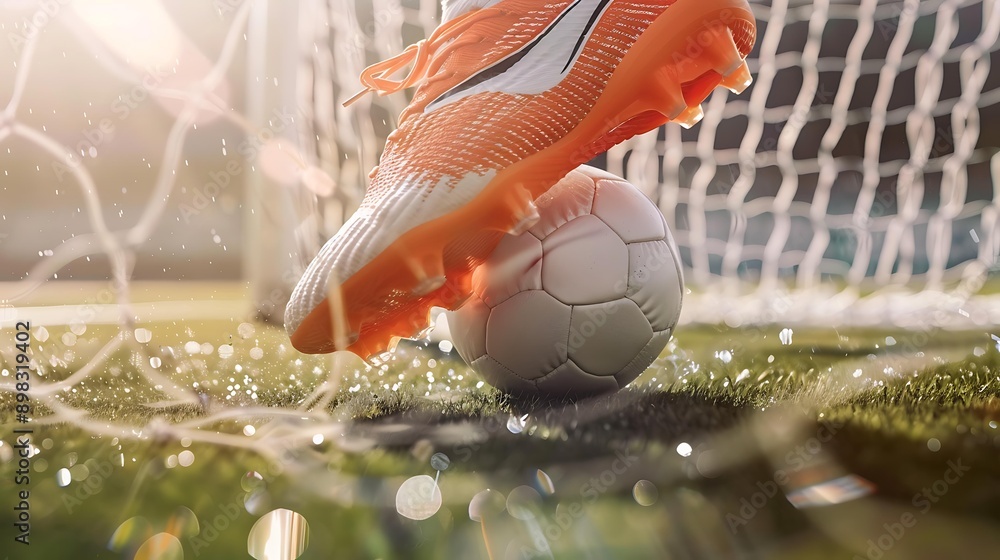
[(583, 301)]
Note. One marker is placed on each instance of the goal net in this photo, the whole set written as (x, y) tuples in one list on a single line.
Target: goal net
[(853, 182)]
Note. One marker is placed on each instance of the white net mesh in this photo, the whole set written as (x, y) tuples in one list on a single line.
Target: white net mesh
[(349, 140), (851, 183), (854, 167), (188, 94)]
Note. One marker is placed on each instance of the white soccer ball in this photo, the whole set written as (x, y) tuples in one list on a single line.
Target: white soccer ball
[(582, 302)]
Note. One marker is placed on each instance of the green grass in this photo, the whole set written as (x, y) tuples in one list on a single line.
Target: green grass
[(897, 412)]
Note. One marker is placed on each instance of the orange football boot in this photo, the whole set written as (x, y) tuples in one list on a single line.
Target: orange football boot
[(511, 96)]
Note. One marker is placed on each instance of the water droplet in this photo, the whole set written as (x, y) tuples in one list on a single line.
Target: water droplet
[(486, 504), (63, 477), (645, 493), (544, 483), (155, 362), (79, 472), (251, 481), (143, 335), (256, 353), (225, 351), (418, 498), (857, 372), (934, 445), (684, 449), (785, 336), (183, 523), (192, 347), (129, 534), (318, 439), (161, 546), (245, 330), (68, 339), (515, 424), (41, 334), (523, 502), (440, 462), (249, 430), (281, 534), (257, 501), (185, 458), (445, 346)]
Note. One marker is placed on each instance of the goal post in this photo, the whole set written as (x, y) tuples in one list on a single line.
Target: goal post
[(270, 216)]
